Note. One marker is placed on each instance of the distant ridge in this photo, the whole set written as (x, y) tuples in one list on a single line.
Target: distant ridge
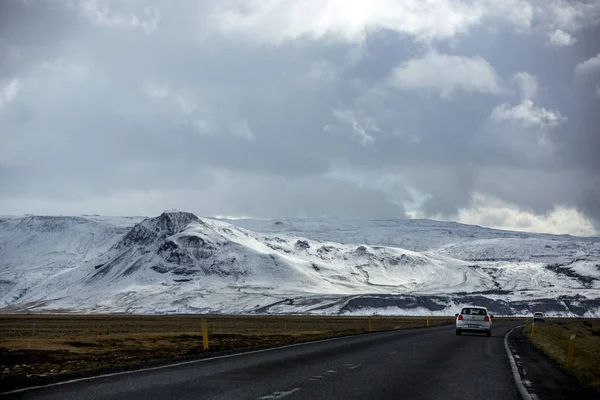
[(180, 263)]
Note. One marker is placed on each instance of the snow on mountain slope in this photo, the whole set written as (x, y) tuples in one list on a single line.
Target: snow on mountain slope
[(418, 234), (178, 262), (34, 248), (523, 249)]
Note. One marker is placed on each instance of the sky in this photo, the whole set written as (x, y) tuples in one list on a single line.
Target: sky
[(478, 111)]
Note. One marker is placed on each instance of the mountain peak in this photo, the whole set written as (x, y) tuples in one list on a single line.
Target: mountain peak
[(176, 218), (151, 229)]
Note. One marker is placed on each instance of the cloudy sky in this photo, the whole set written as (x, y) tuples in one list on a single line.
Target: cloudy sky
[(478, 111)]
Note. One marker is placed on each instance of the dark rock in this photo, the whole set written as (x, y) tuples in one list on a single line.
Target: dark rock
[(561, 269), (302, 244), (161, 269), (153, 229), (325, 249)]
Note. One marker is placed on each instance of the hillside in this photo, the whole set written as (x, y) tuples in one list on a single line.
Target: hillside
[(179, 263)]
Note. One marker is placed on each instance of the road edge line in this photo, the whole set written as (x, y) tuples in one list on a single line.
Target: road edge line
[(516, 375), (179, 364), (88, 378)]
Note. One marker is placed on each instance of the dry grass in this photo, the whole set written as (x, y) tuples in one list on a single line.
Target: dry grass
[(553, 339), (35, 348)]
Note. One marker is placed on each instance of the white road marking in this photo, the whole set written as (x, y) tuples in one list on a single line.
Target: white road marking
[(278, 395), (392, 353), (517, 356), (330, 371), (89, 378), (354, 366), (524, 393)]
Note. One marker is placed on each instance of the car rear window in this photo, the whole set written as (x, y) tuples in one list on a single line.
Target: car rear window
[(538, 314), (473, 311)]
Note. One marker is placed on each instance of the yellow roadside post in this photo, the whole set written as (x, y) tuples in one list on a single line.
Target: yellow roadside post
[(571, 351), (204, 334), (369, 325), (526, 324), (532, 329), (427, 321)]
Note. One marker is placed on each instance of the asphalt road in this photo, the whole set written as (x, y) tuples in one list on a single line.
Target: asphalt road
[(430, 363)]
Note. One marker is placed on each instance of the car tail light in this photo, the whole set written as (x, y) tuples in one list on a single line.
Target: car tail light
[(486, 319), (460, 318)]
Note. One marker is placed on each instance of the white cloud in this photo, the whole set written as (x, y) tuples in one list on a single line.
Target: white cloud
[(241, 129), (445, 74), (278, 21), (588, 67), (528, 85), (185, 105), (561, 38), (9, 92), (528, 114), (322, 71), (330, 128), (155, 90), (53, 65), (99, 13), (518, 12), (492, 212), (187, 111), (201, 125), (571, 15), (66, 70), (360, 129)]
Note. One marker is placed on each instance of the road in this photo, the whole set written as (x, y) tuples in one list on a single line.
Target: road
[(429, 363)]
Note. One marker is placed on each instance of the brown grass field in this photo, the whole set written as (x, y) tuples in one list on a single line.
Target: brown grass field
[(553, 339), (38, 349)]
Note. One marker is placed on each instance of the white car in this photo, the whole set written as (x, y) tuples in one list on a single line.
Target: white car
[(538, 317), (474, 319)]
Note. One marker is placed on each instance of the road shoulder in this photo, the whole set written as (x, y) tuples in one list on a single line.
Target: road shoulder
[(542, 378)]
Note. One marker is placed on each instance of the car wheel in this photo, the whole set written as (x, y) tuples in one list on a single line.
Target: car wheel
[(458, 332), (488, 333)]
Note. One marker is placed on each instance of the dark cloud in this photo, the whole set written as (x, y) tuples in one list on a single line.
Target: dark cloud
[(138, 98)]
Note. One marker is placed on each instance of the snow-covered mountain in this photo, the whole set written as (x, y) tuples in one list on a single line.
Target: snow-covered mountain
[(180, 263)]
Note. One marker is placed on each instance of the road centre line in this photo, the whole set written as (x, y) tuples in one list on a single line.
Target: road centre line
[(89, 378), (279, 395)]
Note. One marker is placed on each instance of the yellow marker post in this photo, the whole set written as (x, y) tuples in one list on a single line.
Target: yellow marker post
[(571, 351), (369, 325), (526, 325), (532, 329), (204, 330), (427, 322)]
